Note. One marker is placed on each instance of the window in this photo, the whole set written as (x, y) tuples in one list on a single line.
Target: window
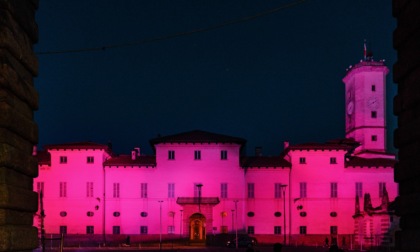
[(333, 160), (171, 229), (143, 190), (277, 230), (39, 187), (251, 194), (382, 189), (373, 88), (63, 229), (143, 230), (302, 230), (197, 189), (223, 190), (359, 189), (90, 160), (89, 189), (63, 159), (302, 186), (90, 214), (63, 213), (90, 230), (223, 155), (251, 230), (63, 189), (374, 138), (116, 214), (116, 230), (171, 155), (278, 190), (302, 160), (197, 155), (373, 114), (171, 190), (224, 229), (116, 191), (333, 230), (334, 189)]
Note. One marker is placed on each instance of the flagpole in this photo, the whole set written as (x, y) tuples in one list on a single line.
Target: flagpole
[(364, 50)]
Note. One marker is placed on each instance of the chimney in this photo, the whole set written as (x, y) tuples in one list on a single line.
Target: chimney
[(137, 149), (285, 144), (133, 155), (258, 151)]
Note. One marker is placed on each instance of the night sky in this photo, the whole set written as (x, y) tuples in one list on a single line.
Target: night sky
[(269, 79)]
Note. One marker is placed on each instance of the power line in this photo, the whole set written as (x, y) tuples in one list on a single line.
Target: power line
[(176, 35)]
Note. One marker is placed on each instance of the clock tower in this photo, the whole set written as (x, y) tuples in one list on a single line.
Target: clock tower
[(365, 88)]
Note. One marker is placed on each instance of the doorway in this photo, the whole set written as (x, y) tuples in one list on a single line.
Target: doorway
[(197, 228)]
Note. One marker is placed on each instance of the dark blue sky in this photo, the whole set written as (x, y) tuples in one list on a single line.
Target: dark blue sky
[(271, 79)]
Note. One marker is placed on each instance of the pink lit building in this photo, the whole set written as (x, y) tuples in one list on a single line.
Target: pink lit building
[(199, 184)]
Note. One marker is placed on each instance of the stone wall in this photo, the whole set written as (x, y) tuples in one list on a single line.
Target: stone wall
[(18, 131), (407, 108)]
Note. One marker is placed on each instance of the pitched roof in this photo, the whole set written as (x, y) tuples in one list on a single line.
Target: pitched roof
[(263, 161), (126, 160), (197, 136), (320, 146), (391, 155), (369, 162), (77, 145)]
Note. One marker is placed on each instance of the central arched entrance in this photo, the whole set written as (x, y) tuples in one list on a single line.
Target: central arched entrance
[(197, 228)]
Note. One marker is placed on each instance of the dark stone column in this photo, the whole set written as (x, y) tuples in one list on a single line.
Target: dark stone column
[(18, 131), (407, 108)]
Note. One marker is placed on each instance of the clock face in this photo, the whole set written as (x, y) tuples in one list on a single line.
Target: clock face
[(372, 102), (350, 108)]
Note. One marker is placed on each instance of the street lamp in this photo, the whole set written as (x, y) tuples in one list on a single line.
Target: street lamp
[(236, 223), (180, 224), (160, 224), (199, 196), (233, 219), (283, 189), (42, 215)]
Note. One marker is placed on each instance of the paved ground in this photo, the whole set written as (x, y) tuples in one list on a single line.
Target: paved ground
[(190, 249)]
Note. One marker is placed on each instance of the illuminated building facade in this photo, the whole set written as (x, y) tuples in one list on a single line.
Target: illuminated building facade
[(200, 184)]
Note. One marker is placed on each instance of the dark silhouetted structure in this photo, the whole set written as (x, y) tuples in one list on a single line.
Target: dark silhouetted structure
[(18, 131), (277, 247), (407, 108)]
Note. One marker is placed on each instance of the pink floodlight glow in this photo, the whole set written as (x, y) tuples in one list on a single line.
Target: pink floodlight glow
[(199, 185)]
